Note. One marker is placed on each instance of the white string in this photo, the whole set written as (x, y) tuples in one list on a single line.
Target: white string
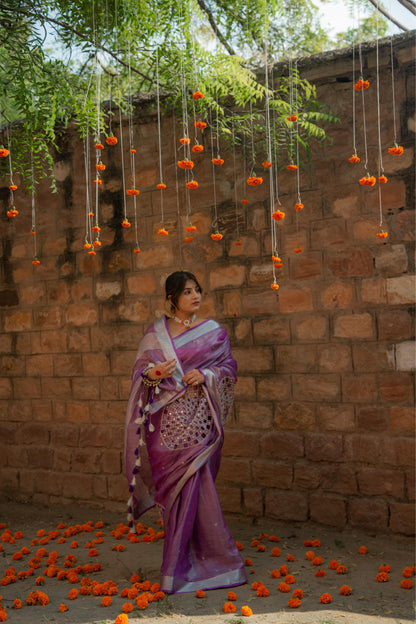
[(392, 90)]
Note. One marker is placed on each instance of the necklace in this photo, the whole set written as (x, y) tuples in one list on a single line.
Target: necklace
[(186, 322)]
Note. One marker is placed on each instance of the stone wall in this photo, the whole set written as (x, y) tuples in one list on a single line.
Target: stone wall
[(323, 423)]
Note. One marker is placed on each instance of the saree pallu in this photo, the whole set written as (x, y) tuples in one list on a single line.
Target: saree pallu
[(177, 431)]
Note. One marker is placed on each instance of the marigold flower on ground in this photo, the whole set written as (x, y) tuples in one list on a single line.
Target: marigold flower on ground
[(127, 607), (262, 592), (63, 608), (231, 595), (344, 590), (290, 579), (284, 570), (123, 618), (362, 550), (406, 584), (254, 180), (200, 593), (317, 561), (407, 572), (275, 574), (325, 598), (333, 564), (320, 573), (382, 577), (276, 552), (106, 601), (354, 158), (310, 555), (307, 543), (294, 603), (17, 603), (284, 587), (385, 568), (289, 557), (261, 548), (40, 580), (229, 607), (341, 569), (396, 150), (273, 538), (248, 562), (73, 594), (297, 593), (239, 545), (142, 602), (246, 611)]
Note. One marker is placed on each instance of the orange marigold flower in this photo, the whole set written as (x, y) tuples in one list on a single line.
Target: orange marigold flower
[(289, 557), (137, 250), (40, 580), (184, 141), (291, 167), (310, 555), (293, 603), (367, 180), (98, 181), (229, 607), (266, 164), (248, 562), (17, 556), (197, 148), (333, 565), (244, 201), (292, 117), (382, 577), (246, 611), (278, 215), (192, 184), (382, 179), (276, 552), (361, 84), (262, 592), (132, 150), (161, 186), (407, 572), (111, 140), (382, 234), (13, 187), (73, 594), (320, 573), (200, 593), (341, 569), (325, 598), (290, 579), (190, 228), (231, 595), (132, 191), (185, 164), (275, 574), (238, 243), (397, 150), (362, 550), (96, 228), (74, 544), (35, 262), (261, 548), (297, 593), (385, 568), (307, 543), (316, 543), (100, 166), (201, 125), (298, 206), (354, 158), (125, 223), (142, 602), (284, 570), (188, 239), (298, 249), (92, 252), (197, 95), (218, 161), (99, 146), (93, 552), (284, 587), (4, 152), (273, 538), (63, 608), (344, 590), (106, 601), (216, 236), (317, 561), (406, 584), (122, 618), (162, 231), (239, 545), (254, 180)]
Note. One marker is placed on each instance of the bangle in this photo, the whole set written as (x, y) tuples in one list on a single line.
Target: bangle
[(151, 382)]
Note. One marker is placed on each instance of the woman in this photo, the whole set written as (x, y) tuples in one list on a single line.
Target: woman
[(182, 390)]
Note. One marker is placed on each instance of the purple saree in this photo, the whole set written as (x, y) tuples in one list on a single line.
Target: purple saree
[(181, 429)]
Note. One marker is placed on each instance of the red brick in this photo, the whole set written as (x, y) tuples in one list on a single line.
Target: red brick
[(23, 343), (230, 498), (17, 321), (334, 357), (39, 457), (85, 388), (12, 365), (271, 387), (282, 445), (82, 289), (395, 325), (306, 266), (397, 451), (78, 486), (361, 448), (242, 331), (107, 289), (10, 481), (372, 418), (245, 388), (51, 318), (96, 436), (141, 284), (294, 416), (53, 341), (373, 290), (285, 505), (241, 444), (324, 447), (259, 303), (368, 514), (327, 510), (402, 419), (64, 435), (78, 412), (339, 479), (33, 433), (5, 343), (307, 476), (111, 462), (99, 487), (249, 247), (122, 362), (276, 330), (5, 388), (261, 273), (151, 258), (293, 300), (410, 484), (253, 502), (359, 388), (26, 387), (312, 328), (272, 474), (56, 387), (95, 364), (79, 339), (328, 233), (296, 358), (354, 326), (21, 410), (67, 365), (381, 482), (351, 263), (135, 311), (62, 460), (232, 275), (337, 295), (253, 359), (391, 260), (235, 471), (316, 387), (372, 357), (81, 314), (85, 460), (365, 229), (396, 387), (401, 290), (109, 388), (32, 294), (39, 365), (255, 415), (16, 457), (231, 303), (402, 518)]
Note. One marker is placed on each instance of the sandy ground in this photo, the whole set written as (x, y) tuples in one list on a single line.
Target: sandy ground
[(370, 602)]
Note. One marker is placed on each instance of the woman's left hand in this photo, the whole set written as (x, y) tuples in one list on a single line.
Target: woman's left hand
[(193, 377)]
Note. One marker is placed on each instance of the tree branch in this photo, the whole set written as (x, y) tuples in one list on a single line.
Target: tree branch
[(214, 27), (389, 17), (410, 6), (51, 20)]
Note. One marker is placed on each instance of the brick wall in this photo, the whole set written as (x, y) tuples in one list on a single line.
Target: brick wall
[(323, 423)]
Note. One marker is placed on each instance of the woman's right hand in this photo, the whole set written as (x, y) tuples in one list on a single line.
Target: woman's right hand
[(162, 370)]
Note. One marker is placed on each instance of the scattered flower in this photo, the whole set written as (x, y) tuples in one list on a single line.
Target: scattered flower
[(246, 611), (362, 550), (344, 590), (406, 584), (325, 598), (229, 607), (294, 603), (382, 577), (200, 593)]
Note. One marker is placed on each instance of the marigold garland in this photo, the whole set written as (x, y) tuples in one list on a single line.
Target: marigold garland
[(13, 187), (298, 249), (100, 166), (4, 152), (125, 223), (244, 201)]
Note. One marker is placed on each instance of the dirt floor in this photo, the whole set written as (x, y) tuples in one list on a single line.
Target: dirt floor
[(370, 602)]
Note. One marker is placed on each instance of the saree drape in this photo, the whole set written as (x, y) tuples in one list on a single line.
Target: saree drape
[(174, 436)]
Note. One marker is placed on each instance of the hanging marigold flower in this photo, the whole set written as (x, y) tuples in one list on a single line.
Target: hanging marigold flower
[(254, 180), (190, 228), (397, 150), (132, 191), (192, 184), (361, 84), (229, 607), (216, 236), (4, 152), (201, 125), (354, 158), (278, 215), (382, 179), (188, 239), (111, 140), (100, 166), (218, 161), (298, 249), (278, 265), (197, 148), (185, 164), (13, 187), (197, 95), (266, 164), (35, 262), (382, 234), (382, 577), (274, 286), (137, 250), (406, 584), (244, 201), (292, 117), (125, 223), (99, 146), (362, 550), (162, 231), (367, 180), (96, 244), (96, 228), (344, 590), (246, 611), (298, 206), (98, 181), (325, 598), (132, 150), (184, 141), (161, 186), (238, 243), (293, 603), (92, 252), (12, 212), (291, 167)]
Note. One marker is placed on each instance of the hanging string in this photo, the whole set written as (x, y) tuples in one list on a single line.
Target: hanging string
[(392, 90), (178, 207), (354, 146), (381, 176), (363, 105), (88, 213), (237, 225), (35, 260), (215, 221)]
